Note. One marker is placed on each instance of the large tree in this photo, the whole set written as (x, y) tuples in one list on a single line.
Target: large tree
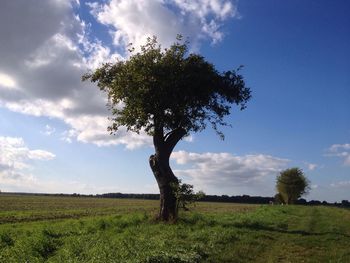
[(168, 93), (292, 184)]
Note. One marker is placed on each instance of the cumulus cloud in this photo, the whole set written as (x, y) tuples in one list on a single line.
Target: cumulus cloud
[(40, 155), (46, 48), (46, 64), (202, 9), (337, 147), (228, 170), (132, 21), (341, 184), (342, 151), (189, 138), (16, 163), (311, 166), (6, 82), (48, 130), (15, 159)]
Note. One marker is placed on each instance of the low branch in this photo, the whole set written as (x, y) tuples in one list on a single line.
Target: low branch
[(173, 137)]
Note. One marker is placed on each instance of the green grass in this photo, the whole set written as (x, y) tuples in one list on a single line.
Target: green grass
[(119, 230), (16, 208)]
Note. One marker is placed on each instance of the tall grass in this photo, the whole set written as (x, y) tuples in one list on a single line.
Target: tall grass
[(262, 234)]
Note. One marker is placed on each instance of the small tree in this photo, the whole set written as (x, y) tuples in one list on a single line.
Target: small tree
[(292, 184), (185, 195), (278, 199), (168, 94)]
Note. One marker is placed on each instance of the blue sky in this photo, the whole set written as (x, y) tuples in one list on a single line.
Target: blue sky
[(296, 60)]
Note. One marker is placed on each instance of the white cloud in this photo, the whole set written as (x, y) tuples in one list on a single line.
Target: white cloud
[(227, 170), (92, 129), (311, 166), (189, 138), (46, 48), (338, 147), (16, 165), (210, 13), (15, 159), (132, 21), (6, 81), (342, 151), (341, 184), (220, 9), (68, 135), (47, 65), (48, 130), (40, 155)]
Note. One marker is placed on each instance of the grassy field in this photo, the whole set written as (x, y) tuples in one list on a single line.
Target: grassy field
[(65, 229)]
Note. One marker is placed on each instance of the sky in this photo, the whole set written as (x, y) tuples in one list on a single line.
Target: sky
[(296, 58)]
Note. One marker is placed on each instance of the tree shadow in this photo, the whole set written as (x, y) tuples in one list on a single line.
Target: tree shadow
[(256, 226)]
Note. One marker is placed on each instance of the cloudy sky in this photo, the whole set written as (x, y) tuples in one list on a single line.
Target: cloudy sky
[(296, 55)]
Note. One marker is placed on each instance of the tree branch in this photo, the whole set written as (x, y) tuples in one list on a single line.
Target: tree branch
[(158, 138), (168, 134), (172, 138)]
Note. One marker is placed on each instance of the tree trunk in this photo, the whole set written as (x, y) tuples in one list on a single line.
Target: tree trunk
[(165, 177), (166, 181)]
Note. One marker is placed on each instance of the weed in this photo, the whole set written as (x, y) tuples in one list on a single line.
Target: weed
[(46, 244), (6, 239), (178, 257)]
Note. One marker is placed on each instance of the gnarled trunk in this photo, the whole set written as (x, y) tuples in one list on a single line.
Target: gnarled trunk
[(165, 177), (166, 180)]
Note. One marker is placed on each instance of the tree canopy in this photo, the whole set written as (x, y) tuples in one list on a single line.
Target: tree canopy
[(168, 93), (292, 184), (168, 89)]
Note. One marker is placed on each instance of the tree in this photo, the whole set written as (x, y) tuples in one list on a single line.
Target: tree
[(292, 184), (278, 199), (168, 94), (185, 195)]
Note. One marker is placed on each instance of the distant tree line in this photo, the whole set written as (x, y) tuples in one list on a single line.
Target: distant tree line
[(243, 199), (132, 196)]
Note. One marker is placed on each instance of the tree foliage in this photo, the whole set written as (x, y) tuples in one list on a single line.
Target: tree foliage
[(278, 199), (292, 184), (168, 89), (185, 196), (168, 93)]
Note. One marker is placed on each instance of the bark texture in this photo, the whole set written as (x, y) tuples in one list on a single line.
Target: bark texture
[(165, 177)]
